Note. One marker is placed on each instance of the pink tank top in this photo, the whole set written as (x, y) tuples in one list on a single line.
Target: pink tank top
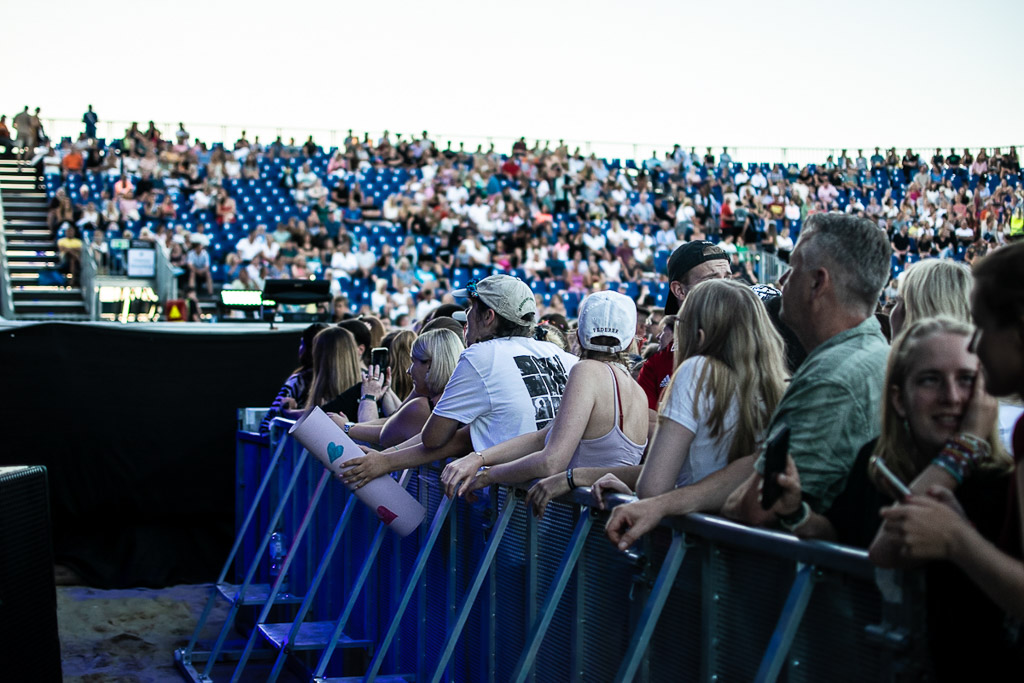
[(614, 449)]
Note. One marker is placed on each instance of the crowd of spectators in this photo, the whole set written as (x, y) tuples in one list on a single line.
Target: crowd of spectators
[(902, 450), (921, 388), (397, 221)]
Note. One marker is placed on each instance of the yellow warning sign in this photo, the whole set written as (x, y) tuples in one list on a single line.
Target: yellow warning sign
[(175, 310)]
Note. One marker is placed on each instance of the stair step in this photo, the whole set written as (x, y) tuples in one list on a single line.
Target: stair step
[(26, 231), (51, 316), (18, 242), (24, 194), (21, 204), (66, 306), (15, 254), (55, 289), (45, 297), (312, 635), (256, 594), (21, 266), (30, 233)]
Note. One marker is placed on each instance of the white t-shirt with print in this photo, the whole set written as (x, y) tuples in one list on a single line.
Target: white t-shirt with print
[(707, 455), (505, 387)]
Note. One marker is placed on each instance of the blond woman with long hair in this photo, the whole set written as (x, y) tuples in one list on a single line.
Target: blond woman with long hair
[(730, 374)]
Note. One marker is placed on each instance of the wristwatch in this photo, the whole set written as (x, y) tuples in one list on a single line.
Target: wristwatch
[(368, 397), (796, 519)]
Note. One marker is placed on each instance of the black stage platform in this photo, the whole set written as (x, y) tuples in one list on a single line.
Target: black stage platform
[(136, 426)]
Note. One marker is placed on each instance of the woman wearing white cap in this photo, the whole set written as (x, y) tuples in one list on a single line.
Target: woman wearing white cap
[(588, 430)]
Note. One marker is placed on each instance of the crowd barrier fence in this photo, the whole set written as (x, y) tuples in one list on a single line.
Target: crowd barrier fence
[(484, 591), (770, 268)]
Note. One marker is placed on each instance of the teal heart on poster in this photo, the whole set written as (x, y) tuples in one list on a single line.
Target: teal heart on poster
[(334, 451)]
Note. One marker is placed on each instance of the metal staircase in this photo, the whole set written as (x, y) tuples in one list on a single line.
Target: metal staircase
[(31, 249)]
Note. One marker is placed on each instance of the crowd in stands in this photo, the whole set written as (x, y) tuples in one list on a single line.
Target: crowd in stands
[(396, 222)]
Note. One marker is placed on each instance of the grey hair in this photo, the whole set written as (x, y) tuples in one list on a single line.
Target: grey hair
[(855, 251)]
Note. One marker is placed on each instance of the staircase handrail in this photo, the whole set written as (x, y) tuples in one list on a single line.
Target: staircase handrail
[(90, 292), (6, 293), (166, 280)]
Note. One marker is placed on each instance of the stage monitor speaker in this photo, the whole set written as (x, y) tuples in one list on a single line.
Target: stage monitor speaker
[(297, 291), (29, 641)]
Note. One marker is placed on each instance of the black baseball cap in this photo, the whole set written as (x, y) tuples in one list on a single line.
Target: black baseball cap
[(684, 259)]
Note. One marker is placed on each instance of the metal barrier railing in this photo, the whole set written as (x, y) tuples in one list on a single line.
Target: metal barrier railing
[(166, 280), (487, 592), (90, 292), (6, 291), (770, 268)]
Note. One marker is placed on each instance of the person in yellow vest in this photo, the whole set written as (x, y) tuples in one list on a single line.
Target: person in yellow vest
[(1017, 221), (69, 249)]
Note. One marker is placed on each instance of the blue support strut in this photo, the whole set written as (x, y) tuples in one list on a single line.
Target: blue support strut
[(789, 622), (478, 580), (568, 564), (652, 610), (410, 587)]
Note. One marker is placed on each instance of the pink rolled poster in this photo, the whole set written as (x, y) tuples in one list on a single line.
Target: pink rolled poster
[(329, 443)]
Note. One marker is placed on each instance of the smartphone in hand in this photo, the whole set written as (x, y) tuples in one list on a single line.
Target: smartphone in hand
[(901, 489), (381, 357), (775, 455)]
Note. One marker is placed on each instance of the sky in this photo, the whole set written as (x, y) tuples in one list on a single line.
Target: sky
[(643, 74)]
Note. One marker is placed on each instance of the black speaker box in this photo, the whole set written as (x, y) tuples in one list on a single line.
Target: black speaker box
[(29, 642)]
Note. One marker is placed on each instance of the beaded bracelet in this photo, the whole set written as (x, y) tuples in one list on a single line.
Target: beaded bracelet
[(961, 455)]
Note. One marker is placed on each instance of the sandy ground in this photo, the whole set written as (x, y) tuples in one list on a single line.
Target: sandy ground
[(129, 636)]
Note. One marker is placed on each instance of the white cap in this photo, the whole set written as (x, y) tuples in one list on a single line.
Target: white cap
[(607, 314)]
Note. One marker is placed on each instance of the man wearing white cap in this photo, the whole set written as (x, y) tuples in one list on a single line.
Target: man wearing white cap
[(505, 384)]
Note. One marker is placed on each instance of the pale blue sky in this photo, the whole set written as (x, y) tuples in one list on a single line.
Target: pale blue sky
[(737, 72)]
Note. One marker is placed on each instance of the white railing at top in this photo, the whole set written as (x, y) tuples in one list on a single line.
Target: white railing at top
[(166, 281), (57, 128), (90, 292), (770, 268), (6, 292)]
